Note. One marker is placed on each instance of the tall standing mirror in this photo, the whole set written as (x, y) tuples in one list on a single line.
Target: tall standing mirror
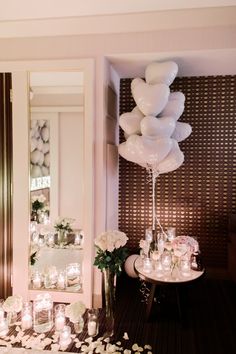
[(53, 180), (56, 143)]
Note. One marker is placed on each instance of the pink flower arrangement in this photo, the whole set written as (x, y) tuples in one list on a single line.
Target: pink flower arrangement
[(184, 245)]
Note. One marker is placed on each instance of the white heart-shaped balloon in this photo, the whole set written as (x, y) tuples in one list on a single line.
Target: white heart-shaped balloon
[(161, 73), (46, 148), (173, 108), (47, 159), (41, 159), (179, 96), (153, 151), (182, 131), (35, 156), (130, 122), (172, 161), (33, 144), (36, 171), (153, 127), (150, 99), (40, 144), (45, 171), (129, 153), (45, 134)]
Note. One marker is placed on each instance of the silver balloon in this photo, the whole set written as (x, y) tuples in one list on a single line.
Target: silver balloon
[(153, 127), (172, 161), (130, 122), (182, 131)]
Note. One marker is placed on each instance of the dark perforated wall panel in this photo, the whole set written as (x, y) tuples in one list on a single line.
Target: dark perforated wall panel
[(198, 197)]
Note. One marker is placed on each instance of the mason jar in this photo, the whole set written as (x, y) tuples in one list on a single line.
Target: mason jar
[(43, 313)]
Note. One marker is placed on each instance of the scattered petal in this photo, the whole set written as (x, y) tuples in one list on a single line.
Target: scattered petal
[(147, 346), (127, 351), (135, 347), (125, 336), (55, 347), (118, 343), (18, 328), (149, 352), (73, 336)]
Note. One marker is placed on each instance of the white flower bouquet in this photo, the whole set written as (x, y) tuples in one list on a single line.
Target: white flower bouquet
[(110, 250), (38, 202), (63, 223), (74, 311), (13, 303)]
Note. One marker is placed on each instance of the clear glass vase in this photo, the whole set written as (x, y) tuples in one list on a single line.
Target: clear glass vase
[(62, 237), (79, 326), (109, 287), (11, 318)]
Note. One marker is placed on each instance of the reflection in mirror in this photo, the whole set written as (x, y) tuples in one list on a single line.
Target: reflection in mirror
[(56, 181)]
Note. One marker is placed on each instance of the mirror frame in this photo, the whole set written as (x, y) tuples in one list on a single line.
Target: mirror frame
[(21, 200)]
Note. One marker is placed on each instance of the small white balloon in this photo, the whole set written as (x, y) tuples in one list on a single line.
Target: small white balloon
[(172, 161), (150, 99), (130, 122), (182, 131), (41, 123), (152, 151), (36, 171), (47, 159), (179, 96), (46, 148), (39, 144), (173, 109), (35, 156), (129, 266), (161, 73), (128, 155), (153, 127), (33, 144), (45, 171), (45, 134), (41, 159)]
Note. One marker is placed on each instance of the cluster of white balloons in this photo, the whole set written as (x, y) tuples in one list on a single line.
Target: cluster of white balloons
[(152, 130), (39, 148)]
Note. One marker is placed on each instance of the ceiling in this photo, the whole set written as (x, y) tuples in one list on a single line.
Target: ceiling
[(13, 10)]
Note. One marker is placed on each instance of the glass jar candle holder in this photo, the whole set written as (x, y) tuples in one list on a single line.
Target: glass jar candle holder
[(65, 336), (185, 267), (158, 268), (73, 276), (26, 315), (50, 239), (78, 238), (42, 313), (171, 233), (3, 327), (148, 235), (147, 265), (93, 324), (166, 261), (60, 318), (36, 280), (61, 280)]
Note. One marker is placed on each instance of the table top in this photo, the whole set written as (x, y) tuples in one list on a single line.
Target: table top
[(156, 277)]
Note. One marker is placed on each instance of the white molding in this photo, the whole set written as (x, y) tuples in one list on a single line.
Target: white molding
[(55, 109), (55, 90), (119, 23)]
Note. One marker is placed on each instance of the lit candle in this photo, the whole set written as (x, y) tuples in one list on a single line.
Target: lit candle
[(65, 337), (185, 268), (147, 265), (61, 281), (26, 321), (92, 328), (59, 322), (37, 281), (3, 327)]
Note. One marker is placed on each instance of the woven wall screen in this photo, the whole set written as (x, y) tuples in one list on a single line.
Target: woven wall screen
[(198, 197)]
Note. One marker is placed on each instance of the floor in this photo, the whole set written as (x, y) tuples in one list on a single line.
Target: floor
[(207, 324)]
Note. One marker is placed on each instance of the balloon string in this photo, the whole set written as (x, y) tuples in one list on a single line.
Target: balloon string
[(154, 173)]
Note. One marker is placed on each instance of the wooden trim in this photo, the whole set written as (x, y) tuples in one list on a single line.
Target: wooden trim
[(5, 185)]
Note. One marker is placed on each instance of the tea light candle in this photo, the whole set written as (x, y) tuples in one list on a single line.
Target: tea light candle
[(3, 327), (26, 321), (147, 265), (77, 239), (59, 322), (185, 268), (36, 281), (92, 328), (166, 261), (65, 336), (61, 281), (171, 233)]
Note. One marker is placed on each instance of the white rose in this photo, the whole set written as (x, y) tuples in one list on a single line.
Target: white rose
[(13, 303)]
